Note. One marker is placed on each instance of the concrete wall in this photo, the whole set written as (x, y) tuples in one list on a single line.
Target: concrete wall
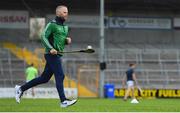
[(118, 37), (132, 37)]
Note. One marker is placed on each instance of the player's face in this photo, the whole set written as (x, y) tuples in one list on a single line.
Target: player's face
[(134, 66), (63, 12)]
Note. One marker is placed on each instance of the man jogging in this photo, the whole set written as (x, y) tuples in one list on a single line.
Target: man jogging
[(54, 38), (130, 78)]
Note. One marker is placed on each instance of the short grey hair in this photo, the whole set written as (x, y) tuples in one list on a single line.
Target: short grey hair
[(59, 7)]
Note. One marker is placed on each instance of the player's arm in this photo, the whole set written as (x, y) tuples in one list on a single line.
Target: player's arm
[(124, 81), (68, 39), (36, 71), (134, 78), (45, 36), (26, 72)]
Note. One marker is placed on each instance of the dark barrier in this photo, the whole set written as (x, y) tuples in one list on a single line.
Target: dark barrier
[(158, 93)]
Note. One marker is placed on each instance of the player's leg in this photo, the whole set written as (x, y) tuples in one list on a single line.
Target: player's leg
[(133, 95), (134, 100), (129, 85), (59, 77), (32, 89), (45, 77), (127, 93)]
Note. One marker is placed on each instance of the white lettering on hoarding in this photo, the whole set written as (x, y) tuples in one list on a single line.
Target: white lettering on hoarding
[(140, 23)]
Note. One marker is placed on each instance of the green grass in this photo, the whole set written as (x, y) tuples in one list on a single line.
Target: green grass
[(91, 105)]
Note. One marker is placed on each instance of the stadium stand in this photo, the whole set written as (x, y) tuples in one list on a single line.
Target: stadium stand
[(11, 69), (156, 68)]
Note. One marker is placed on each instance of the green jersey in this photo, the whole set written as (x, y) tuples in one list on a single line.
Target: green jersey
[(31, 73), (54, 36)]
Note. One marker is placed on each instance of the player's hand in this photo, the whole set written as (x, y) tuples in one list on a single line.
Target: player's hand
[(53, 51), (68, 40)]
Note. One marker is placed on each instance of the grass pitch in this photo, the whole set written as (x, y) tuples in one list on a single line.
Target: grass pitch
[(91, 105)]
